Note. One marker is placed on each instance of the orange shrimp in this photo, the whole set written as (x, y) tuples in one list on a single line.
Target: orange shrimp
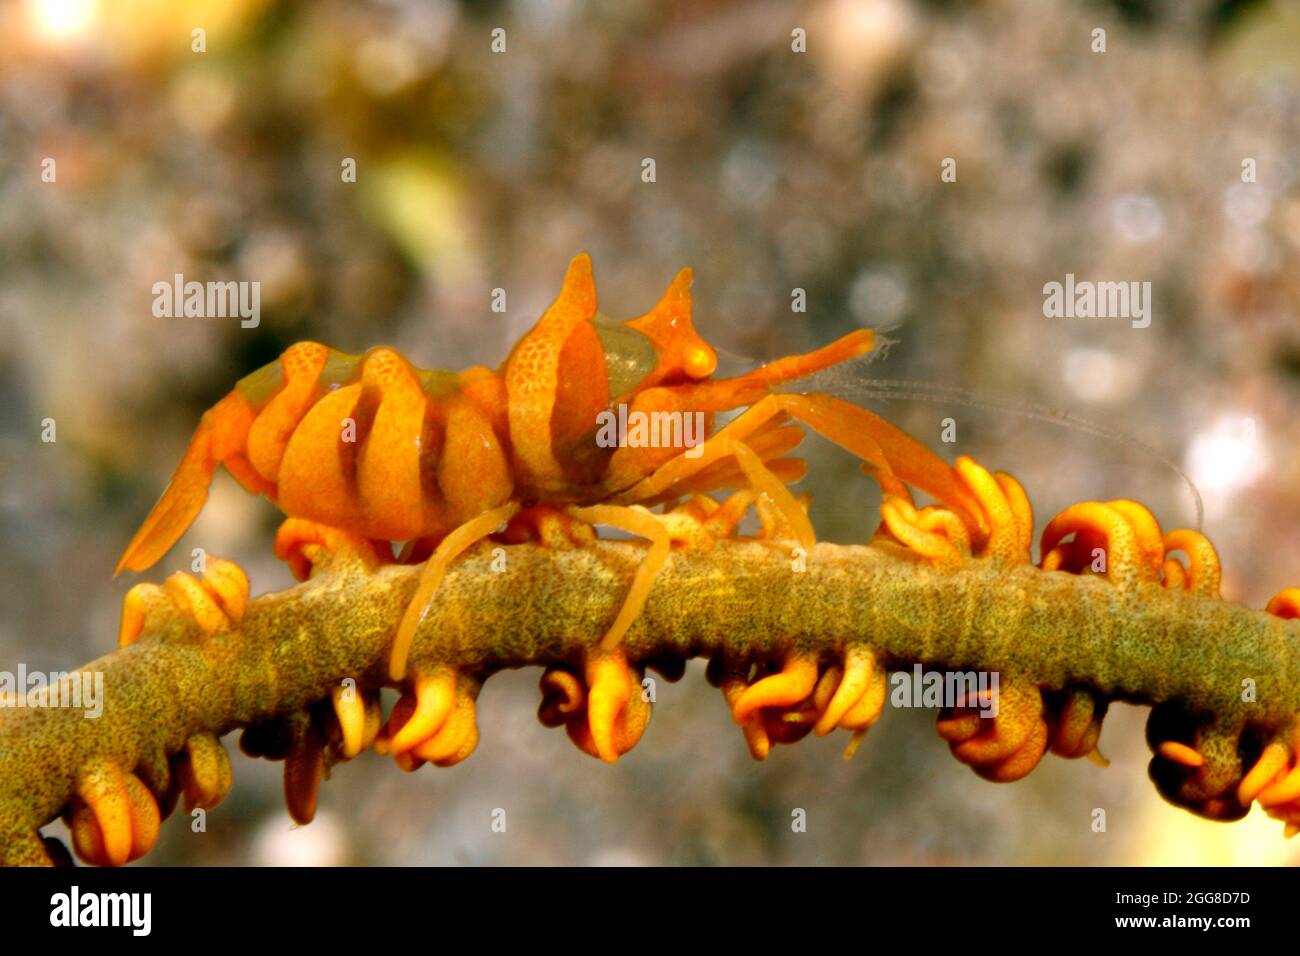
[(380, 450)]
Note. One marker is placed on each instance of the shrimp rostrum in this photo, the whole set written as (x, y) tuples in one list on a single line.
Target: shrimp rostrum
[(371, 451)]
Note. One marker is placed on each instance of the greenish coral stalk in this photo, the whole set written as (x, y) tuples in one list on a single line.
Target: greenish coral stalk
[(741, 599)]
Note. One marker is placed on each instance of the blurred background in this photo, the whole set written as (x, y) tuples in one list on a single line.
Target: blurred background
[(774, 170)]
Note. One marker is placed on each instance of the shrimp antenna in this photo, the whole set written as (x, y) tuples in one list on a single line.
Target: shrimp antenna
[(915, 390)]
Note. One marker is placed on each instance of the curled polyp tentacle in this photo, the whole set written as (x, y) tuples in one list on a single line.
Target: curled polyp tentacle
[(850, 684), (604, 711), (436, 722), (1146, 535), (1184, 755), (1018, 705), (757, 739), (89, 838), (732, 678), (860, 717), (628, 728), (1005, 508), (1274, 779), (1222, 771), (100, 818), (1272, 766), (857, 698), (1021, 511), (563, 696), (1174, 576), (958, 724), (795, 681), (1202, 575), (1069, 718), (458, 735), (617, 709), (823, 693), (1021, 761), (215, 603), (353, 721), (941, 535), (869, 706), (1003, 747), (1088, 746), (203, 771), (928, 534), (1121, 525), (140, 602), (1197, 763), (345, 727), (791, 723), (189, 594), (611, 688), (782, 516), (307, 546), (431, 700), (398, 717), (947, 523), (1288, 813), (113, 817), (1074, 719), (155, 772), (781, 704), (228, 584)]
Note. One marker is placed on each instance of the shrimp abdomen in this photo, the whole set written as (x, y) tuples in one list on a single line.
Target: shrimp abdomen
[(220, 434)]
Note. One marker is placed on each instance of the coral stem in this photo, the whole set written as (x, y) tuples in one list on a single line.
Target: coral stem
[(742, 599)]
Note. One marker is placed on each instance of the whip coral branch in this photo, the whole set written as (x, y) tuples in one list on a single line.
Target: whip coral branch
[(740, 603), (1018, 659)]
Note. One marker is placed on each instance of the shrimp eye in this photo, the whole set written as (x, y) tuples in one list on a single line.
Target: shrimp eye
[(699, 362)]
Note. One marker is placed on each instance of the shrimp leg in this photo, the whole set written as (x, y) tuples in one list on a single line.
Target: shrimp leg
[(450, 548), (893, 458)]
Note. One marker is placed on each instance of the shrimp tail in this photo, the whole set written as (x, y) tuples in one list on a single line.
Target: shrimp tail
[(220, 436)]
